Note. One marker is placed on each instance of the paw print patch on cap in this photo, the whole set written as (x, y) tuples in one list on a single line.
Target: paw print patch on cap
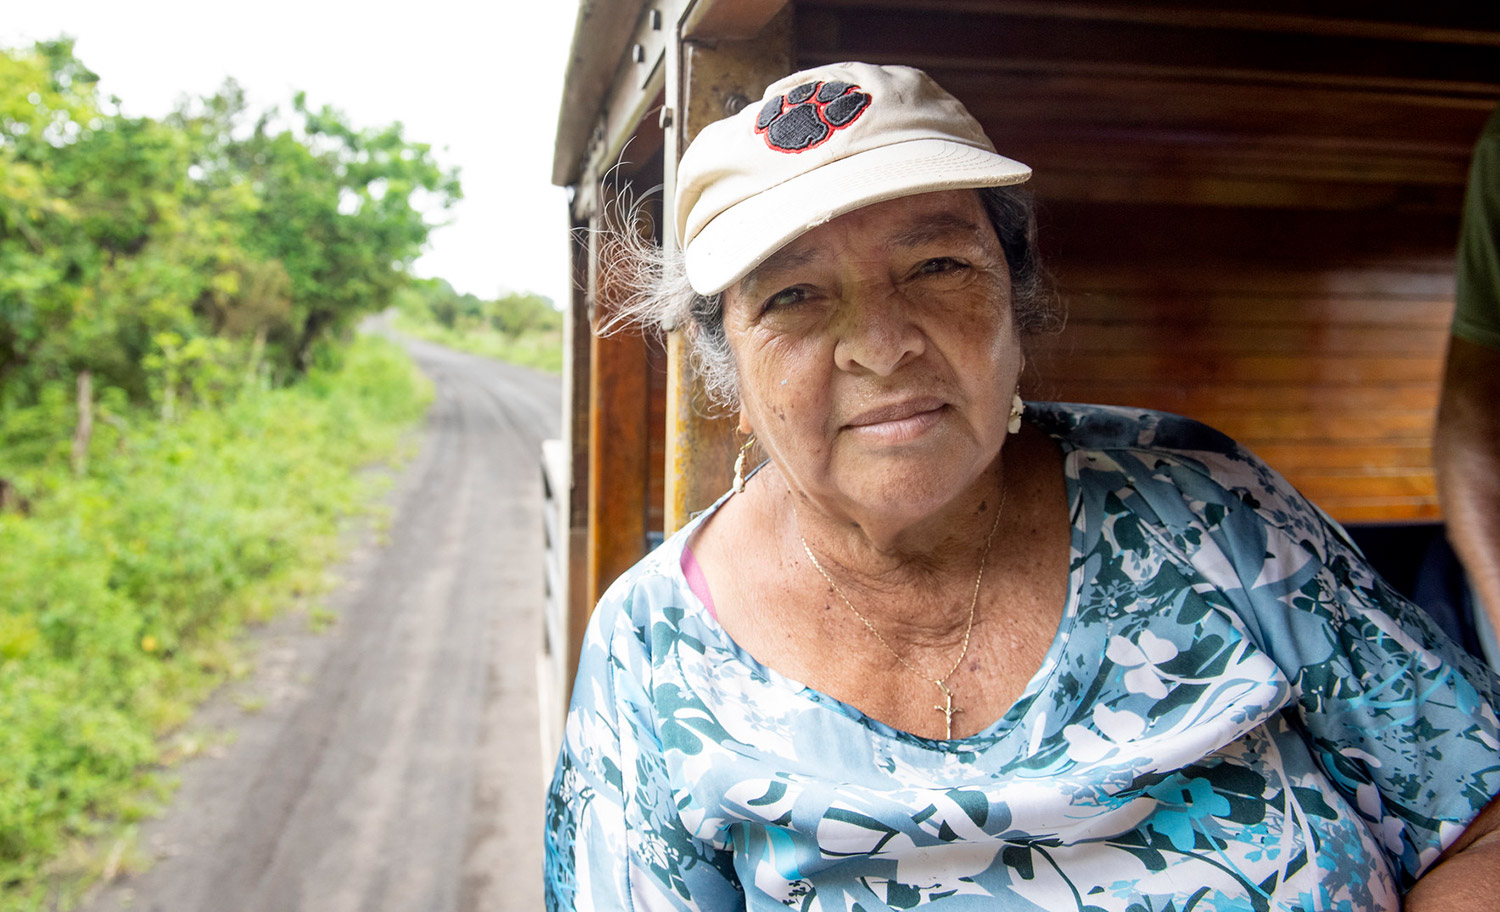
[(806, 116)]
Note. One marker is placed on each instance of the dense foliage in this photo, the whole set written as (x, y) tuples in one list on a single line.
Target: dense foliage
[(168, 257), (181, 411), (523, 329)]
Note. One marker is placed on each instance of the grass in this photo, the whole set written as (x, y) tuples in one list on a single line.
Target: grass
[(122, 591)]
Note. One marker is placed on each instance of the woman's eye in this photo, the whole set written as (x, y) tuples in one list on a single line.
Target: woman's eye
[(940, 265), (787, 297)]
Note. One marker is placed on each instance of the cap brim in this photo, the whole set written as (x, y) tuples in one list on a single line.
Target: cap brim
[(742, 237)]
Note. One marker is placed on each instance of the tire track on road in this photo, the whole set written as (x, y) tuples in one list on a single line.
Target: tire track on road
[(401, 774)]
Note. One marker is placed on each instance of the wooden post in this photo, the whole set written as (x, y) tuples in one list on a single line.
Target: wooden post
[(83, 432), (710, 82), (619, 439)]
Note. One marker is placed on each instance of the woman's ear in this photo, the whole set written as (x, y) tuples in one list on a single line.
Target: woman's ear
[(745, 427)]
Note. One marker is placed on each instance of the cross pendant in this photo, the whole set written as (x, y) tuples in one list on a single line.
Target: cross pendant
[(948, 711)]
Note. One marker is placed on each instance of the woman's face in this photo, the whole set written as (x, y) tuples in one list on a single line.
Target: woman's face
[(877, 356)]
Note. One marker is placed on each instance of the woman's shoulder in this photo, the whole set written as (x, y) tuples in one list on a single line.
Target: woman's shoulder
[(1156, 445), (1082, 426), (652, 592), (1184, 471)]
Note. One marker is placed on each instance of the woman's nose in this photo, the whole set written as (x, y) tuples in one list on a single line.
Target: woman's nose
[(878, 333)]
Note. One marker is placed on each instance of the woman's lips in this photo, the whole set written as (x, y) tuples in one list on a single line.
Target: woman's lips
[(898, 422)]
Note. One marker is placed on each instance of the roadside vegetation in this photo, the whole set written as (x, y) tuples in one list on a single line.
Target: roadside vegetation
[(185, 411), (524, 329), (121, 589)]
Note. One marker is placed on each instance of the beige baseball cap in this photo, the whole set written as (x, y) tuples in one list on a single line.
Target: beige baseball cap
[(820, 143)]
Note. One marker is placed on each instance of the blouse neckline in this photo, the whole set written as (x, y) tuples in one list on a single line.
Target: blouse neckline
[(1078, 584)]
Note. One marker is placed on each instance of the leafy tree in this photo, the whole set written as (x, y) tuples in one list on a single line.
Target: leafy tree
[(338, 209), (47, 101), (124, 239), (517, 314)]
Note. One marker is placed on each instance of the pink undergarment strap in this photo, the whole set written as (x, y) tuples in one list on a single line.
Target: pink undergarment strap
[(696, 582)]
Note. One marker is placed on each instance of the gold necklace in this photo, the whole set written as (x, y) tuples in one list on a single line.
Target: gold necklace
[(941, 683)]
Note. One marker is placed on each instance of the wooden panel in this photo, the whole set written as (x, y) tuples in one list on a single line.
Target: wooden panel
[(1188, 247), (1336, 388), (618, 455), (1329, 423), (1330, 282), (1327, 341), (1326, 116), (1108, 306), (1448, 21), (1297, 106), (656, 431), (1187, 367), (1367, 459), (1033, 40), (1354, 487), (619, 440), (1235, 398), (1392, 509)]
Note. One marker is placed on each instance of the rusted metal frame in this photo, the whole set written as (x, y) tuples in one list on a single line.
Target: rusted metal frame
[(708, 81), (717, 20), (602, 37), (627, 115), (617, 40)]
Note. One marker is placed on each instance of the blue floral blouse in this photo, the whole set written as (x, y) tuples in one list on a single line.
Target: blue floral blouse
[(1236, 714)]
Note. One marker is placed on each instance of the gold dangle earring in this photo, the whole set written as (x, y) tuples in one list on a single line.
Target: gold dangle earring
[(739, 465)]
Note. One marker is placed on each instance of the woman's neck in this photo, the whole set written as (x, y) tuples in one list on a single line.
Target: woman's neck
[(874, 554)]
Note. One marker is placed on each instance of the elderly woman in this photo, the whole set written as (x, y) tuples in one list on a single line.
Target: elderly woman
[(948, 648)]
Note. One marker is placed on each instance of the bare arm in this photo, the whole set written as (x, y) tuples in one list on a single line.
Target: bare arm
[(1466, 456), (1467, 876)]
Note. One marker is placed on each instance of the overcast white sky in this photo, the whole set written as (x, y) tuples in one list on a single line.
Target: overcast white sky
[(479, 79)]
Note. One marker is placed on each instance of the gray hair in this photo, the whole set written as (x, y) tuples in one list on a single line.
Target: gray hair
[(655, 294)]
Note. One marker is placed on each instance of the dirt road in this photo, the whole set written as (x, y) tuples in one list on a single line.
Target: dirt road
[(390, 761)]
